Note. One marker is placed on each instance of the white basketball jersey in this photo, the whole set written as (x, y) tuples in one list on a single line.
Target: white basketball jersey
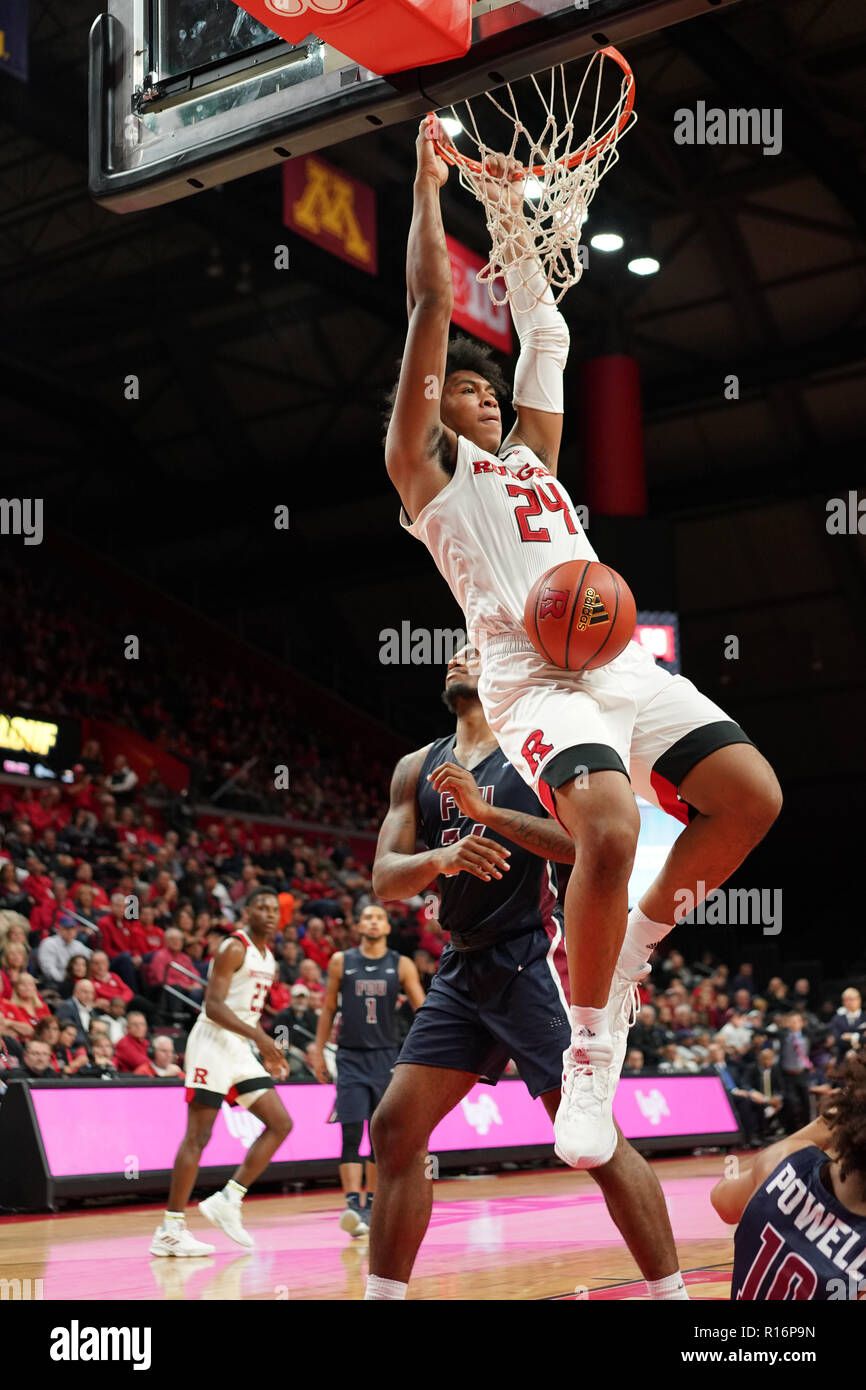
[(251, 982), (496, 527)]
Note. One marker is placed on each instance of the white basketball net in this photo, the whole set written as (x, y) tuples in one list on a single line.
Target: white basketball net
[(547, 225)]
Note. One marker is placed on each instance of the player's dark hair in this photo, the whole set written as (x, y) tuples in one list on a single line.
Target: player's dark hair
[(464, 355), (845, 1113), (259, 893), (380, 907)]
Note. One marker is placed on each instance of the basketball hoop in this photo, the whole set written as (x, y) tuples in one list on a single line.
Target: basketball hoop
[(559, 178)]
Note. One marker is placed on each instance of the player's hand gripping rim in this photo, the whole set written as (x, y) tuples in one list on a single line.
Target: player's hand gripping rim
[(430, 162)]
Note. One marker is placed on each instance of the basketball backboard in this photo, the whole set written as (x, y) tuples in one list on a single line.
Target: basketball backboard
[(188, 94)]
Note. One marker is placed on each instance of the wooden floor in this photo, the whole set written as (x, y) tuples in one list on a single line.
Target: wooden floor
[(539, 1235)]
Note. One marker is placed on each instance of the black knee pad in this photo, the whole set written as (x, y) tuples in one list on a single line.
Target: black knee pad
[(352, 1142)]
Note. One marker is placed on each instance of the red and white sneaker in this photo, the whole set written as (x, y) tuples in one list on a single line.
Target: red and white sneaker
[(584, 1132), (175, 1239)]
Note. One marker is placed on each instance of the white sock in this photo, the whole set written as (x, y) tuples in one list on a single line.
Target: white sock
[(233, 1191), (672, 1287), (173, 1218), (378, 1288), (642, 936), (584, 1017)]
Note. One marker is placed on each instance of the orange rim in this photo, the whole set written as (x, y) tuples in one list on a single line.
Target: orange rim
[(454, 156)]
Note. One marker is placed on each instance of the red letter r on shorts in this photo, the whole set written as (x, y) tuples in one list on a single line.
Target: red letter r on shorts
[(534, 749)]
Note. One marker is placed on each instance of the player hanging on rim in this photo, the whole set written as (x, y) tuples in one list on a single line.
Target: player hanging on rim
[(801, 1208), (228, 1057), (498, 992), (493, 530), (364, 983)]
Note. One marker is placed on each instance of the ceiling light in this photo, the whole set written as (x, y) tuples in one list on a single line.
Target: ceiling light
[(644, 265), (607, 241), (215, 269)]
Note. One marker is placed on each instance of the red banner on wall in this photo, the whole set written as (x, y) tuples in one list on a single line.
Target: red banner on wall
[(473, 307), (331, 209), (143, 756)]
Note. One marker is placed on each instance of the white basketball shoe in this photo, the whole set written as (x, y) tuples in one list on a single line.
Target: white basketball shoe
[(175, 1239), (355, 1222), (221, 1211), (584, 1132)]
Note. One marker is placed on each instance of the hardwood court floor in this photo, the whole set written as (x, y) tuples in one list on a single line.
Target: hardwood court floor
[(538, 1235)]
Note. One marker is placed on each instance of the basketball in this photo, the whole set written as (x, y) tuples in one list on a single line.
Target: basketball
[(580, 615)]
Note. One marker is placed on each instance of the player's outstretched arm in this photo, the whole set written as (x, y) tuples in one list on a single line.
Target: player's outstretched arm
[(731, 1196), (229, 958), (538, 834), (418, 444), (428, 265)]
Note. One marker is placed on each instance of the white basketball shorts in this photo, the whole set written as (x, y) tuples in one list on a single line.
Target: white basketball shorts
[(631, 716), (223, 1066)]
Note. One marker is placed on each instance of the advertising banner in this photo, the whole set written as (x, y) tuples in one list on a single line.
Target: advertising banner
[(102, 1130)]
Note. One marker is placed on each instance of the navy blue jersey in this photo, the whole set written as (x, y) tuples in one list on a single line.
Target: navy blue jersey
[(796, 1240), (368, 1000), (475, 912)]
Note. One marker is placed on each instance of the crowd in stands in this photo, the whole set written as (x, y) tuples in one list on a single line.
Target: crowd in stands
[(109, 921), (777, 1049), (230, 730)]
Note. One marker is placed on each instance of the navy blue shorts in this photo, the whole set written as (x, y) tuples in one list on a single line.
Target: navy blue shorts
[(362, 1080), (504, 1001)]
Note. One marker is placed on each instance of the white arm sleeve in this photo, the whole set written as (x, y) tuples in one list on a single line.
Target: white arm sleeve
[(544, 339)]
